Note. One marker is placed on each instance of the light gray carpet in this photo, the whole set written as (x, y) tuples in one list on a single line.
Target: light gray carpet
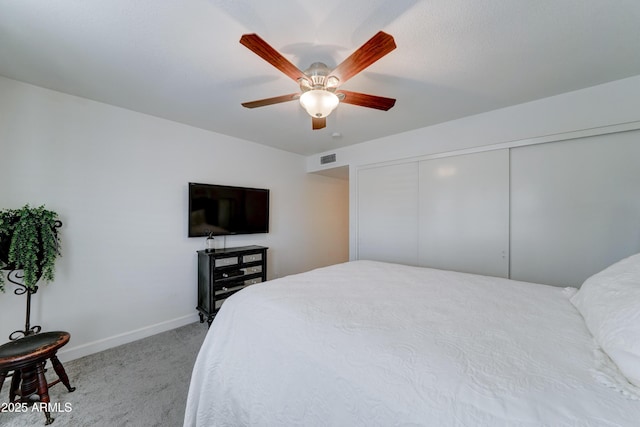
[(143, 383)]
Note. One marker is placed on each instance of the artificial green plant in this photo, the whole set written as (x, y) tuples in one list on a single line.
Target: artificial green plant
[(29, 242)]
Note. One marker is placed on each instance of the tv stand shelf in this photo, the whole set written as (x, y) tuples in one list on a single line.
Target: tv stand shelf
[(223, 272)]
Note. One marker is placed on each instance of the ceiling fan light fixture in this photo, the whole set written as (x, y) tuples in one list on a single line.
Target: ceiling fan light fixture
[(319, 103)]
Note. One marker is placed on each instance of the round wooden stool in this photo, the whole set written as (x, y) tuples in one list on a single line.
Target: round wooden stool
[(26, 357)]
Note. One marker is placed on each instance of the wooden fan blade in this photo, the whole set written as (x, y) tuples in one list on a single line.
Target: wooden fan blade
[(271, 101), (364, 100), (261, 48), (377, 47), (318, 123)]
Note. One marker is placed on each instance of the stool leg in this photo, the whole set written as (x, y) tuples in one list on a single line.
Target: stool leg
[(15, 384), (43, 390), (3, 375), (57, 366)]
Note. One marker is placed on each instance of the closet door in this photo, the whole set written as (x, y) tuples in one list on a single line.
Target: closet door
[(464, 213), (575, 207), (388, 213)]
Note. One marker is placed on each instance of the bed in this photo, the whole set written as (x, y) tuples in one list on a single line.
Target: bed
[(368, 343)]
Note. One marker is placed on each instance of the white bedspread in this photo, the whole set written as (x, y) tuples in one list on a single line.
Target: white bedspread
[(374, 344)]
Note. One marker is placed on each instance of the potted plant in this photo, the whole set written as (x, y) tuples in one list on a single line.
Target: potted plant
[(29, 242)]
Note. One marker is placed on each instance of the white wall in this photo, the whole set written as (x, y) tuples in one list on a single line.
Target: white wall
[(119, 179), (603, 105)]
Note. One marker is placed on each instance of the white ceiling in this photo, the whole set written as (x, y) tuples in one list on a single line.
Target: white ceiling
[(181, 59)]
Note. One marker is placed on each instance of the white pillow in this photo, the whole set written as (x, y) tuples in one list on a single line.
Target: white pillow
[(609, 301)]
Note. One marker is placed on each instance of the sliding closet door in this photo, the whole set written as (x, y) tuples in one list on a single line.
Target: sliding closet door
[(464, 213), (575, 207), (388, 213)]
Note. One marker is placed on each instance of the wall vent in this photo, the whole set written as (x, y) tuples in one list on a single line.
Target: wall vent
[(329, 158)]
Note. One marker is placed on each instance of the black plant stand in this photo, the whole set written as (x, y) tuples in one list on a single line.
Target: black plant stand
[(13, 277)]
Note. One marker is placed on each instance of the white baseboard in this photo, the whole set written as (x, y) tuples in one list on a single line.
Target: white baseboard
[(77, 352)]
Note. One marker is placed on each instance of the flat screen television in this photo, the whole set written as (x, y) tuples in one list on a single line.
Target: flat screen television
[(222, 210)]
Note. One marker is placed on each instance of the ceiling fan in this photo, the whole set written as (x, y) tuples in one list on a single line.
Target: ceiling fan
[(319, 86)]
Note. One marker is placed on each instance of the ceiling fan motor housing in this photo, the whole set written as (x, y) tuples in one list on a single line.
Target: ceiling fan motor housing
[(318, 78)]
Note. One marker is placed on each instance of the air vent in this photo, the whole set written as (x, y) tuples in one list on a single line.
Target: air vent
[(329, 158)]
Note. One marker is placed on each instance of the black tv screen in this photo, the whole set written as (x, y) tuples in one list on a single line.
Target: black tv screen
[(222, 210)]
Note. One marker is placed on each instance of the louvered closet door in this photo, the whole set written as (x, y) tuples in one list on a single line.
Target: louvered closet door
[(388, 213), (464, 213)]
